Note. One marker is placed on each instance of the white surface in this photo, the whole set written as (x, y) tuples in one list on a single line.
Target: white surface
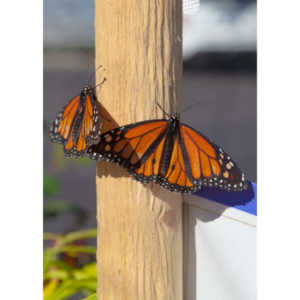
[(191, 6), (219, 28), (220, 252)]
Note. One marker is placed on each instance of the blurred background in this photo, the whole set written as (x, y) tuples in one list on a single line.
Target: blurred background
[(219, 48)]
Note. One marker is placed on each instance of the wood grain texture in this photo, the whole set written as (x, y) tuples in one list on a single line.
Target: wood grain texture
[(139, 226)]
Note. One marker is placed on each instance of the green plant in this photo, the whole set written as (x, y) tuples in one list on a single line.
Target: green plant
[(91, 297), (69, 265), (54, 207), (51, 186)]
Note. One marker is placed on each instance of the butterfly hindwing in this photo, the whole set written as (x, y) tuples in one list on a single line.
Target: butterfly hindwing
[(173, 174)]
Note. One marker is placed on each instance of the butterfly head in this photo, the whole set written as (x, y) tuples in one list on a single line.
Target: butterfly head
[(86, 89), (174, 120), (174, 117)]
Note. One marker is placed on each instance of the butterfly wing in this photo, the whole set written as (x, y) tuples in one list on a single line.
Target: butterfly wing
[(179, 159), (207, 164), (78, 125), (164, 164), (187, 161), (131, 145)]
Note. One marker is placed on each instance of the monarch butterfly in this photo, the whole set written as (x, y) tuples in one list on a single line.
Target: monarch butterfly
[(169, 153), (78, 125)]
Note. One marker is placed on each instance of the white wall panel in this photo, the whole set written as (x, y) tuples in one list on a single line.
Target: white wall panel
[(219, 252)]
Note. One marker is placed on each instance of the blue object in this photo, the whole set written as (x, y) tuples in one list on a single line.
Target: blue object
[(245, 200)]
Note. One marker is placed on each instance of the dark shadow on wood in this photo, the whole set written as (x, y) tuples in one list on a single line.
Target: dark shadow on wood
[(108, 122), (105, 169), (189, 256)]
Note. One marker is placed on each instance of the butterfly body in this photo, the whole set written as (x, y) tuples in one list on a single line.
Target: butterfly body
[(169, 153), (78, 125)]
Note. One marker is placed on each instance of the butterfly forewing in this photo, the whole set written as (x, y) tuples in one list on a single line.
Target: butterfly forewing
[(78, 125), (129, 145), (62, 126), (209, 165)]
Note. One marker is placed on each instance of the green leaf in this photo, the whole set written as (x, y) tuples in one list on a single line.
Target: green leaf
[(51, 186), (91, 297), (65, 290), (71, 287), (62, 280), (57, 274), (89, 271), (78, 235), (91, 268), (64, 244), (75, 249), (48, 259), (49, 289), (61, 265)]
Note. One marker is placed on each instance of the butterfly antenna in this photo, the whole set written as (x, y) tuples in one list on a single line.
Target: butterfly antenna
[(93, 73), (162, 109), (190, 106), (104, 79)]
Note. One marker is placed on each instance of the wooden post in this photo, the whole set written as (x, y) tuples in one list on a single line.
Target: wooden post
[(139, 226)]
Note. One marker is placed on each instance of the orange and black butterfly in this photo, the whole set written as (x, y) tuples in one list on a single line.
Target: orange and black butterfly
[(78, 125), (170, 153)]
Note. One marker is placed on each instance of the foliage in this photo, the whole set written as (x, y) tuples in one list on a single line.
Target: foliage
[(91, 297), (51, 186), (69, 265)]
